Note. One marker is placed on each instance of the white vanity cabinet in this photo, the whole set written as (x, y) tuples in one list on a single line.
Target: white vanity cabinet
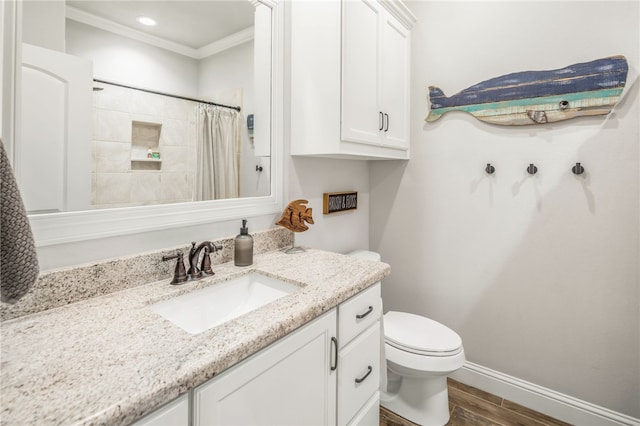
[(325, 373), (349, 78), (289, 383)]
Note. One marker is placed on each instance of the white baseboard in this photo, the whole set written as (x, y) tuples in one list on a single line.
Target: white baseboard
[(538, 398)]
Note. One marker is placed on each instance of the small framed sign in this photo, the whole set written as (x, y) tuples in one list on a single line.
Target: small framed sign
[(339, 201)]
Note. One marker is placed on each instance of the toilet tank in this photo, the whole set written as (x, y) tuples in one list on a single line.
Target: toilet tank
[(365, 254)]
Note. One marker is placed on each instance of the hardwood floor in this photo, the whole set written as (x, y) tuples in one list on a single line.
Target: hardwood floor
[(471, 406)]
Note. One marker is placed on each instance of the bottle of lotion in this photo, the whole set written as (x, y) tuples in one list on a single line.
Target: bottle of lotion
[(243, 253)]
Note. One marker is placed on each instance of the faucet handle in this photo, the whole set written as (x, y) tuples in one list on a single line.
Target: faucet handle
[(205, 266), (179, 275)]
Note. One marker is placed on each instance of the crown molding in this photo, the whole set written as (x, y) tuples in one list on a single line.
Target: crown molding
[(225, 43), (218, 46), (400, 11), (107, 25)]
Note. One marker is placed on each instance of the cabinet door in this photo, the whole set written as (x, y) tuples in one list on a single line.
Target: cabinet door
[(361, 117), (394, 83), (288, 383)]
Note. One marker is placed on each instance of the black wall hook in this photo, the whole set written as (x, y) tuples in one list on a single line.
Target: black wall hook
[(577, 169), (490, 169), (532, 169)]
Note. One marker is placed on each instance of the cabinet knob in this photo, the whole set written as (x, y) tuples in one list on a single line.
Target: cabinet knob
[(386, 127), (381, 120)]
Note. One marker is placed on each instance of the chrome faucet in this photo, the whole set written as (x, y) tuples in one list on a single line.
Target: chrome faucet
[(194, 271)]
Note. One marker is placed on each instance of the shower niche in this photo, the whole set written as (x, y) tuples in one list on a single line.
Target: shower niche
[(145, 145)]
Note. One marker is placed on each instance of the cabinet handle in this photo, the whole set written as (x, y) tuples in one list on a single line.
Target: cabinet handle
[(387, 126), (381, 120), (334, 344), (363, 378), (360, 316)]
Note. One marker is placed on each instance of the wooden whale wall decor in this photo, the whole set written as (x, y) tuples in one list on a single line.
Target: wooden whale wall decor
[(538, 97)]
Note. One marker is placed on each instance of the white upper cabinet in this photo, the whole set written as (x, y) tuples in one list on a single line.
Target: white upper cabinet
[(349, 78), (375, 75)]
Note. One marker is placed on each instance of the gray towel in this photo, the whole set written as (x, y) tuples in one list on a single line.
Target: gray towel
[(18, 259)]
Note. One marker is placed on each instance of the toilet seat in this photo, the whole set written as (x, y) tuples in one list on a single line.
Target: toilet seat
[(419, 335)]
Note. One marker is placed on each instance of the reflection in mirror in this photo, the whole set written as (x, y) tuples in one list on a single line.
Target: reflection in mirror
[(155, 138)]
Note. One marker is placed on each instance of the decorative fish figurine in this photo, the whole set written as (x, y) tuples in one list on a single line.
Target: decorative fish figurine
[(295, 215), (538, 97)]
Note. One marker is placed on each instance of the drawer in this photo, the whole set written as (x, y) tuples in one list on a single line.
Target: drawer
[(358, 373), (369, 415), (358, 313)]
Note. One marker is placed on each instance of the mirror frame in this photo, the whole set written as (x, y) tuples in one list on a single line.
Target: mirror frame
[(66, 227)]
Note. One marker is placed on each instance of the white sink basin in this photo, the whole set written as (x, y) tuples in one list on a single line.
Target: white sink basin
[(203, 309)]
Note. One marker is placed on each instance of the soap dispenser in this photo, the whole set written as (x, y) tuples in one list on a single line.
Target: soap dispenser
[(243, 253)]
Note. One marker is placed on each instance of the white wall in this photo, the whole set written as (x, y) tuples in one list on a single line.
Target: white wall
[(120, 59), (43, 24), (539, 275), (309, 179)]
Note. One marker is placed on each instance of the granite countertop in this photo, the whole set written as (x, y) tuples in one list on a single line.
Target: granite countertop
[(112, 360)]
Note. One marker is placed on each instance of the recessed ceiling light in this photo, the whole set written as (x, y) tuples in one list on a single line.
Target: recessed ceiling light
[(145, 20)]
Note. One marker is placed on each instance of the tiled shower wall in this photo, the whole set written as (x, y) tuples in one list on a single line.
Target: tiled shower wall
[(117, 181)]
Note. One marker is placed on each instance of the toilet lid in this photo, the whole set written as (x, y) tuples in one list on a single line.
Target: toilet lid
[(417, 334)]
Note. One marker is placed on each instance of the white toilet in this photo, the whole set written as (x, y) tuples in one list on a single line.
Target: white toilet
[(420, 354)]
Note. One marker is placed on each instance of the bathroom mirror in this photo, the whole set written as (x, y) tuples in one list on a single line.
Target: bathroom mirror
[(59, 227)]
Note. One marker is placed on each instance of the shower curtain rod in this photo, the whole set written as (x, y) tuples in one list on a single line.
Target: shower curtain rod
[(237, 108)]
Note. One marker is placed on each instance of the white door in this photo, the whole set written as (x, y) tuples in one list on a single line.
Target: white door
[(288, 383), (53, 156), (394, 81), (361, 117)]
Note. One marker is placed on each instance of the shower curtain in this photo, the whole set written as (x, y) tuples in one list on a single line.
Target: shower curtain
[(218, 161)]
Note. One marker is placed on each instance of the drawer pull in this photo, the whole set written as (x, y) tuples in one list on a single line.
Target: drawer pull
[(334, 343), (360, 316), (363, 378)]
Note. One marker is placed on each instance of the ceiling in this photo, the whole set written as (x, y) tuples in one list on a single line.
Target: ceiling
[(194, 24)]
